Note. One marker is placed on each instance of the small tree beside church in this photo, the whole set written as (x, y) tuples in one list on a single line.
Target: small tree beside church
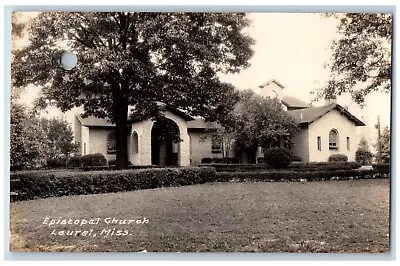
[(363, 153), (262, 122), (385, 145)]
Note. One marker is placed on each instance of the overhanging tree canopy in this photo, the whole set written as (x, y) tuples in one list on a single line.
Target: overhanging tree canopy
[(361, 57), (261, 121), (136, 59)]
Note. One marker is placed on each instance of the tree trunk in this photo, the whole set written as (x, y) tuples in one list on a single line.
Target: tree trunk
[(122, 142), (120, 105)]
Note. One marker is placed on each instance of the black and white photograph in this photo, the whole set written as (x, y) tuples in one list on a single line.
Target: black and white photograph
[(200, 132)]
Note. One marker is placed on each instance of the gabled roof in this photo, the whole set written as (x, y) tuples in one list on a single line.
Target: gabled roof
[(92, 121), (179, 112), (270, 81), (200, 123), (311, 114), (294, 102)]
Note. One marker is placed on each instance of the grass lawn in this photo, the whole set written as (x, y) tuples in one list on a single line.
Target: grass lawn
[(341, 216)]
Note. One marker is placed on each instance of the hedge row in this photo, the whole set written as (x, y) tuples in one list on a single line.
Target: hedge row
[(293, 166), (381, 166), (55, 184), (226, 160), (89, 160), (112, 167), (42, 184), (299, 176)]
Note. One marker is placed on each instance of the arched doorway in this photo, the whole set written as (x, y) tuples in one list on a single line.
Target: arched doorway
[(165, 143)]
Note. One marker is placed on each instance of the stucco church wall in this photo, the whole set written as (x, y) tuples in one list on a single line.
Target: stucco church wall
[(301, 145), (200, 147), (322, 126), (98, 142)]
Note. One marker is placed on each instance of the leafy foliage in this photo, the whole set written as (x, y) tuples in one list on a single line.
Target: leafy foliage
[(96, 159), (287, 175), (223, 160), (364, 157), (164, 128), (338, 158), (262, 167), (60, 162), (54, 184), (385, 144), (36, 142), (278, 157), (28, 147), (361, 60), (363, 154), (262, 122), (382, 166), (136, 59), (74, 161), (59, 137)]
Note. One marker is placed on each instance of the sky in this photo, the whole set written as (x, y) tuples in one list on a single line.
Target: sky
[(291, 48)]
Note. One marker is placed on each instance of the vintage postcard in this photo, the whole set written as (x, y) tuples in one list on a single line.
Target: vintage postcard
[(200, 132)]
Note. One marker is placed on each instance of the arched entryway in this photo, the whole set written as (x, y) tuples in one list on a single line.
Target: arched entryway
[(165, 143)]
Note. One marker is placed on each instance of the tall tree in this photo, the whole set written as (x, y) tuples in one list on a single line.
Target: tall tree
[(136, 59), (361, 57), (262, 122), (363, 144), (35, 141), (385, 140), (363, 153), (28, 143), (59, 136)]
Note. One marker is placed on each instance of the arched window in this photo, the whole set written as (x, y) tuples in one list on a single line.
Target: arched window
[(135, 143), (333, 139), (112, 143)]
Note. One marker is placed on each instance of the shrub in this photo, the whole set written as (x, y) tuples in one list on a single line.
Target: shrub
[(294, 166), (381, 166), (222, 160), (206, 160), (338, 158), (296, 158), (287, 175), (96, 159), (112, 162), (36, 184), (364, 157), (278, 157), (56, 163), (75, 161), (261, 160)]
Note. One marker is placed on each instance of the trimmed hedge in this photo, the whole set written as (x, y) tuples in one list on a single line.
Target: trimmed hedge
[(112, 167), (96, 159), (56, 163), (381, 166), (293, 166), (224, 160), (301, 176), (338, 158), (41, 184), (278, 157), (89, 160), (75, 161)]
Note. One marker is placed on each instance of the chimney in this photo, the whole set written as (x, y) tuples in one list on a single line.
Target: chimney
[(329, 99)]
